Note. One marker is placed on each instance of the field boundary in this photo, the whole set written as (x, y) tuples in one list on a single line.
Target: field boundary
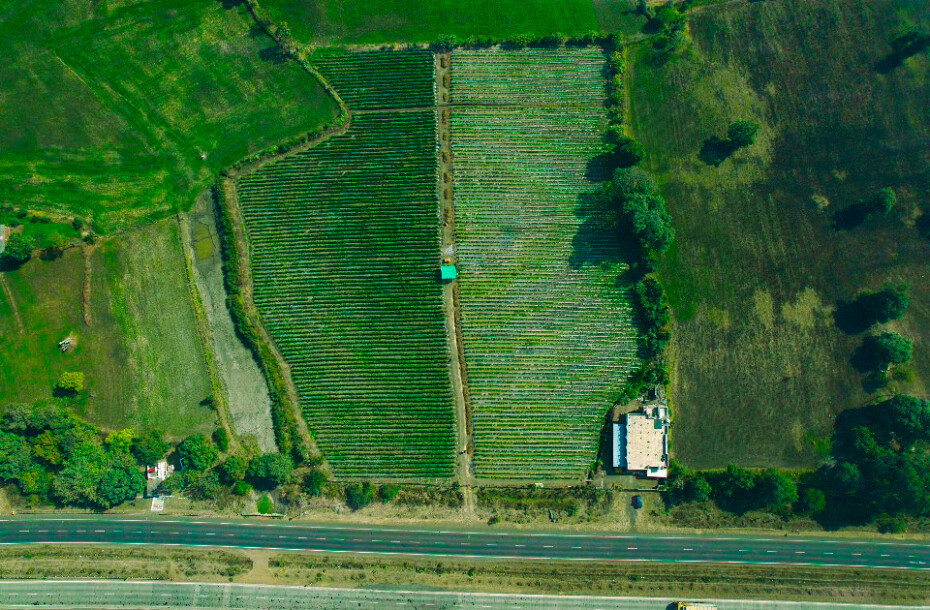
[(220, 394), (13, 307)]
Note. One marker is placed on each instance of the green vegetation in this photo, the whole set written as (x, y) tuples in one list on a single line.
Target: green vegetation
[(52, 457), (760, 368), (197, 452), (878, 474), (549, 338), (359, 495), (125, 307), (378, 79), (269, 471), (120, 142), (870, 308), (351, 298), (70, 383), (388, 21), (265, 505), (18, 250)]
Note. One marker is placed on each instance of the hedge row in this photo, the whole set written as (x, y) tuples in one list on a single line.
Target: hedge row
[(283, 419)]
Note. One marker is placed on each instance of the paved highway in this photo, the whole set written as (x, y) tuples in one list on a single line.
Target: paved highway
[(119, 594), (487, 544)]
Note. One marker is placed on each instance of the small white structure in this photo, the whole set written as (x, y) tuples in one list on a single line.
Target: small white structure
[(159, 472), (641, 443), (4, 237)]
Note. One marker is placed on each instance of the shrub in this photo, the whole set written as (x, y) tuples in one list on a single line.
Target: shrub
[(878, 352), (269, 471), (69, 384), (265, 505), (628, 152), (359, 495), (776, 490), (234, 469), (742, 133), (812, 502), (388, 492), (241, 488), (221, 438), (18, 250), (197, 452), (150, 448), (314, 482)]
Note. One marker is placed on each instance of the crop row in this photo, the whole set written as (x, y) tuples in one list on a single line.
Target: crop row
[(529, 77), (345, 247), (549, 337), (379, 79)]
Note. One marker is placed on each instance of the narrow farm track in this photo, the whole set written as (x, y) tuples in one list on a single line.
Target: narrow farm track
[(13, 307), (446, 199), (88, 253)]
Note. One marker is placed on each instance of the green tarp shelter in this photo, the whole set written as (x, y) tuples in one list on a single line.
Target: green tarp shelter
[(448, 272)]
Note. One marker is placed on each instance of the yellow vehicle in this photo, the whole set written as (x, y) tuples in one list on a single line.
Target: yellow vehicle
[(695, 606)]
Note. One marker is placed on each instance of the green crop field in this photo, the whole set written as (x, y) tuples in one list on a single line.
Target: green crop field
[(141, 353), (378, 79), (123, 111), (385, 21), (548, 332), (345, 251), (762, 370)]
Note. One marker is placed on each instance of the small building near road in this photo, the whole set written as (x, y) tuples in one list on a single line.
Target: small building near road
[(641, 442), (447, 273), (4, 237)]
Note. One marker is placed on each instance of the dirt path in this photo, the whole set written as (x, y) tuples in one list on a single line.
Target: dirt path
[(13, 307), (450, 291), (88, 252)]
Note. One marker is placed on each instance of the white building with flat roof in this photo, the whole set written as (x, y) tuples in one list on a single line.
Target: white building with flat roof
[(641, 443)]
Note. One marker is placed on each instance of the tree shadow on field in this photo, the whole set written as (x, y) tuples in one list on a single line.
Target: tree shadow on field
[(598, 168), (850, 217), (852, 317), (272, 55), (599, 239), (231, 4)]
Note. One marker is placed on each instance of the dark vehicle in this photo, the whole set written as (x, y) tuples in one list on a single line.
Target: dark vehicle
[(637, 502)]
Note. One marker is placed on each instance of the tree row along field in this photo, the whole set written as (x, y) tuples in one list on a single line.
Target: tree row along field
[(345, 250), (549, 336)]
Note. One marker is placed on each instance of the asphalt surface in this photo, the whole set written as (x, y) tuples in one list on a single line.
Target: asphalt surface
[(119, 594), (489, 544)]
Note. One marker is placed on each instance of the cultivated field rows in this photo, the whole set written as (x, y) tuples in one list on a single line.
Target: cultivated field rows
[(344, 254), (548, 335)]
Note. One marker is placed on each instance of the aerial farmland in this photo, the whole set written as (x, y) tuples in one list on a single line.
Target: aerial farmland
[(608, 264)]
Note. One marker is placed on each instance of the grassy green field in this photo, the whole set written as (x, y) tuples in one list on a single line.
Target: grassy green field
[(141, 354), (385, 21), (345, 252), (548, 332), (761, 369), (123, 111)]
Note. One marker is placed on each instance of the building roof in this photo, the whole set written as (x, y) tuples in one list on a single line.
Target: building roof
[(448, 272), (646, 440)]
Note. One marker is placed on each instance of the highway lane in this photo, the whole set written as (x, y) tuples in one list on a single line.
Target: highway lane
[(138, 594), (484, 544)]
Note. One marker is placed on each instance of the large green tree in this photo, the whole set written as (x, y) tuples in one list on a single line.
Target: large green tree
[(269, 471), (18, 250), (197, 452)]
